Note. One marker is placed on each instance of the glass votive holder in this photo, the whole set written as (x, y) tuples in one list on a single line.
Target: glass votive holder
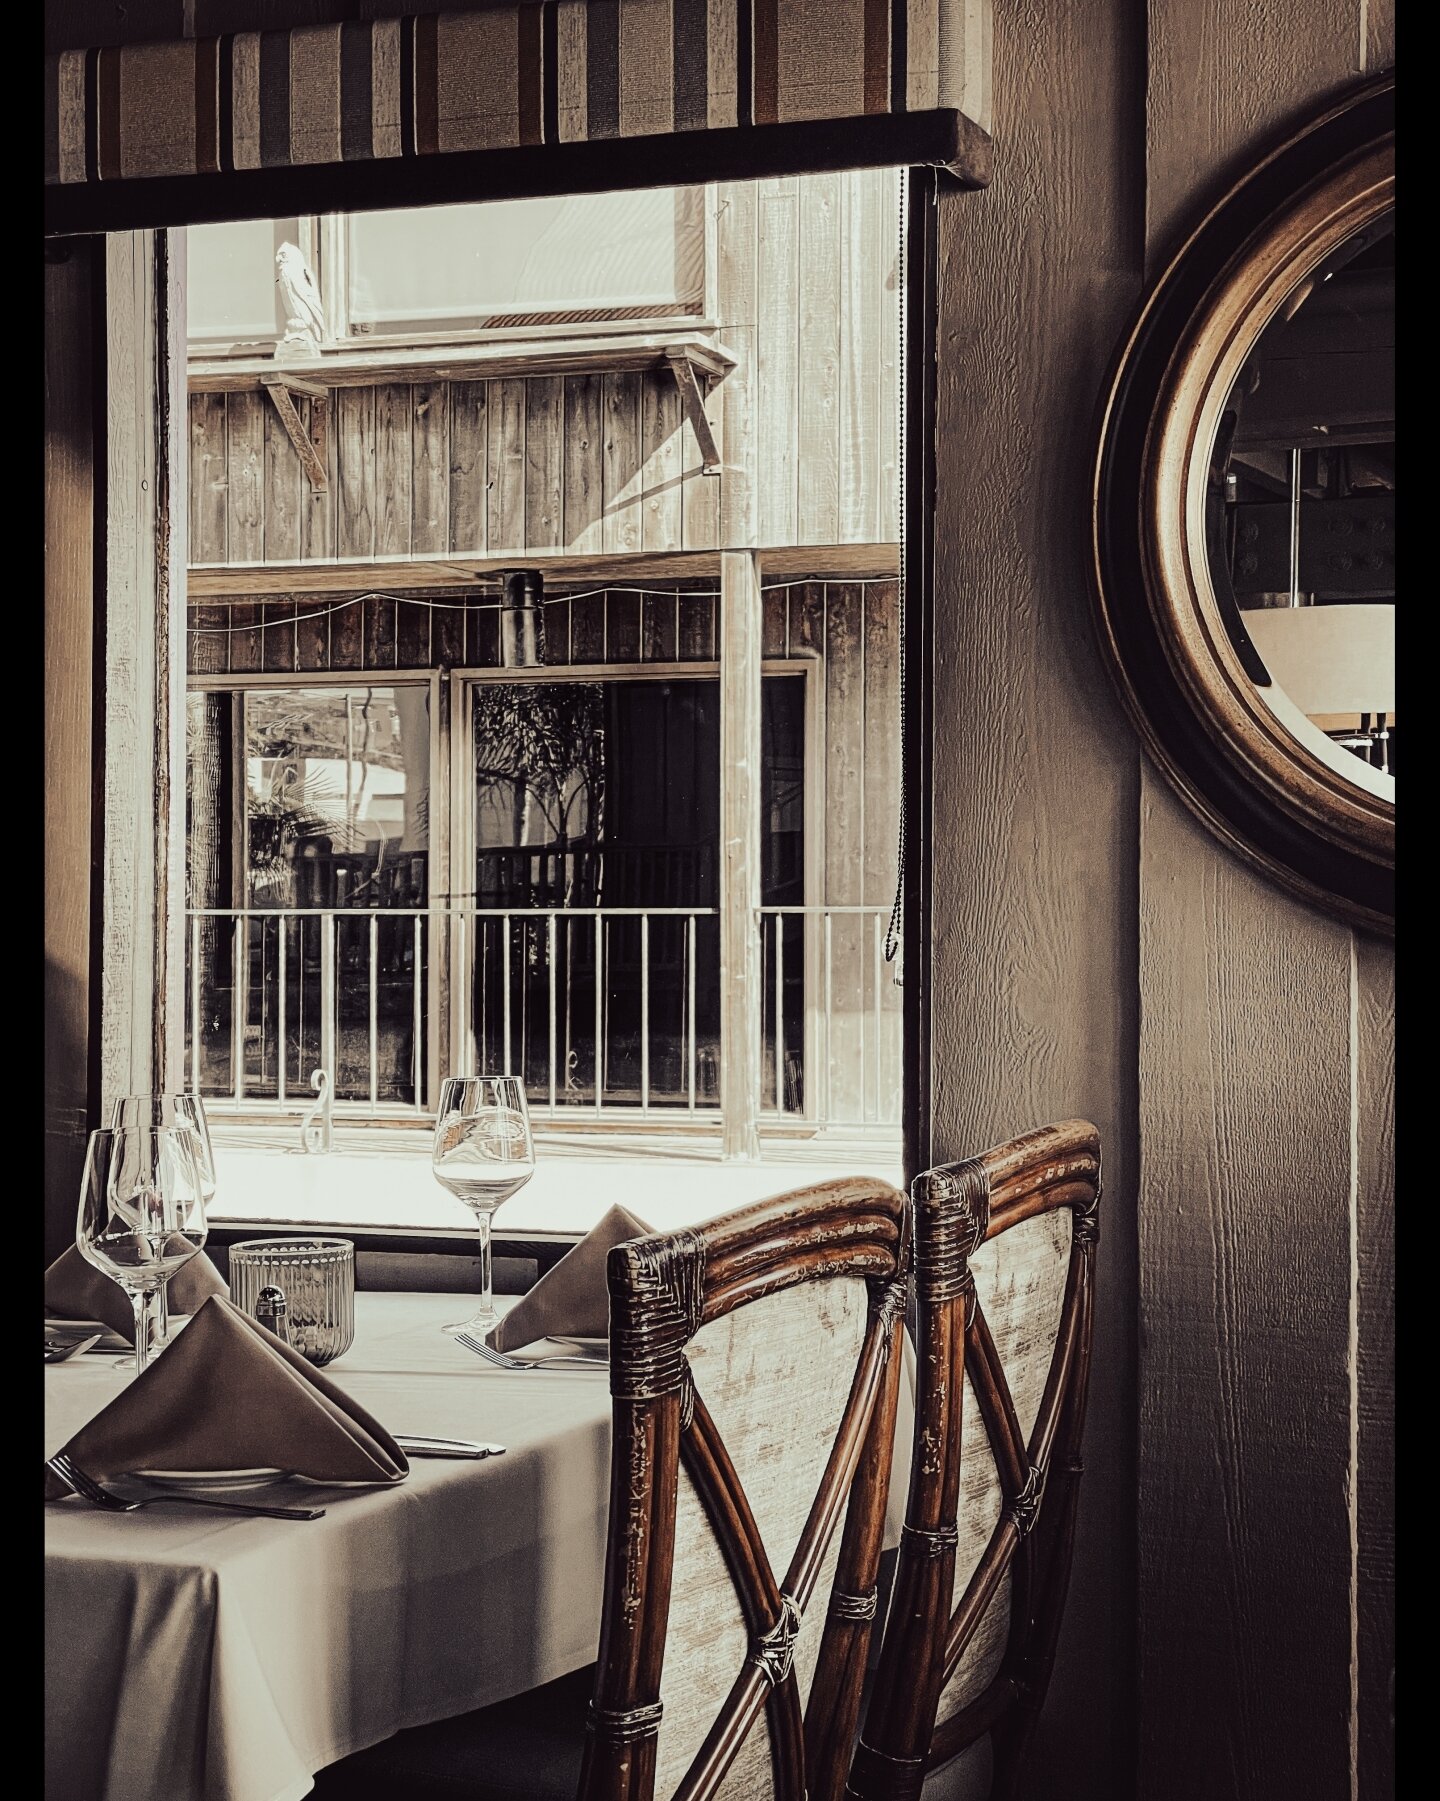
[(317, 1276)]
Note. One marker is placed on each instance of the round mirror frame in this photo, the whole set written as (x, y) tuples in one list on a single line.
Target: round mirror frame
[(1283, 805)]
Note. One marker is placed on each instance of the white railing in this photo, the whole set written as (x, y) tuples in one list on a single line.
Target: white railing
[(607, 1012)]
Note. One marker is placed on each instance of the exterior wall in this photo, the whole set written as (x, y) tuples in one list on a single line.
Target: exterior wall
[(807, 300), (852, 629), (1096, 953)]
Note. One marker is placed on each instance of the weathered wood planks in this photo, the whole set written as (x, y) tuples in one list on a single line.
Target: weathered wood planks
[(807, 423)]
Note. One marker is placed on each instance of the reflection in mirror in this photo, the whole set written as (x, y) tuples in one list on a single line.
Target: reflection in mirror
[(1301, 510)]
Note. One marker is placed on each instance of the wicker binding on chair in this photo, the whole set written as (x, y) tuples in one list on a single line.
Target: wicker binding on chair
[(1004, 1253), (714, 1297)]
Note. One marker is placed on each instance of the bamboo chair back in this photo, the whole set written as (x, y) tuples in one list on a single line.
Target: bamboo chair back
[(1004, 1254), (754, 1374)]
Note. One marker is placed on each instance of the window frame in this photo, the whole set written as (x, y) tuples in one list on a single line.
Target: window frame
[(324, 241)]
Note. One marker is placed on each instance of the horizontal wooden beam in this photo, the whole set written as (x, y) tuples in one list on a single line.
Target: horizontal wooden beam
[(335, 575), (347, 367)]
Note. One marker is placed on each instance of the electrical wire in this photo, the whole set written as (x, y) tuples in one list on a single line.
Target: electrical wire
[(437, 606)]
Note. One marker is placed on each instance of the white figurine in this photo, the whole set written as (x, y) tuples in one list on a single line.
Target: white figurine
[(304, 315)]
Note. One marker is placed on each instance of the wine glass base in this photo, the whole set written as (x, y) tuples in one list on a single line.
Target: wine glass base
[(476, 1327)]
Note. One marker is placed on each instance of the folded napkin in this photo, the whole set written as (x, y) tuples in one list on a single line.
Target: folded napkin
[(227, 1395), (571, 1299), (75, 1289)]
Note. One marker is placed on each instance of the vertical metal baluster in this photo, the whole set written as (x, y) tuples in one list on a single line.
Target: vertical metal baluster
[(828, 998), (280, 1022), (779, 919), (461, 981), (505, 965), (328, 1022), (374, 1010), (550, 960), (644, 1012), (239, 994), (195, 1004), (690, 1000), (877, 966), (417, 1012), (600, 1012)]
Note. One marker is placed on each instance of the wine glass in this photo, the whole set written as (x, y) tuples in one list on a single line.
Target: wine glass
[(142, 1212), (187, 1111), (483, 1154)]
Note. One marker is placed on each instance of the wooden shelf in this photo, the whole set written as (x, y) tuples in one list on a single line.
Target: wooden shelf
[(337, 575), (347, 367)]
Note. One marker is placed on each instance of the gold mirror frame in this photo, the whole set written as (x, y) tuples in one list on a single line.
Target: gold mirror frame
[(1326, 832)]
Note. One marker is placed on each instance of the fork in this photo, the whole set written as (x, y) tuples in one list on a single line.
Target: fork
[(75, 1479), (502, 1361)]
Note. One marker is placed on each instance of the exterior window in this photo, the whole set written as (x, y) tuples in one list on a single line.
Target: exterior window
[(308, 880), (527, 262), (231, 299)]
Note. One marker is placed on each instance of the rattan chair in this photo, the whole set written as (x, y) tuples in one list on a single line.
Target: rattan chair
[(754, 1368), (1004, 1256)]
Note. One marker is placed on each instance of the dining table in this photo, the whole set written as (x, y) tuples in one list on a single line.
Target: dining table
[(197, 1655)]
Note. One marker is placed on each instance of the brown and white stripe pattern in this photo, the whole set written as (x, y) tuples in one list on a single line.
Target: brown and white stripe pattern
[(530, 73)]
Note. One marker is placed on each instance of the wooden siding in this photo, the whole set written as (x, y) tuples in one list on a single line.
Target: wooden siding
[(807, 300)]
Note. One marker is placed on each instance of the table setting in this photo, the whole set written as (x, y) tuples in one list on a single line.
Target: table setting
[(291, 1518)]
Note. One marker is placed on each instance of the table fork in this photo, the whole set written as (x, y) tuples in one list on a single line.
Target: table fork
[(505, 1362), (88, 1489)]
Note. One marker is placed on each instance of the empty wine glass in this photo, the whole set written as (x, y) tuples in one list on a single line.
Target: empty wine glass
[(483, 1154), (142, 1212), (186, 1111)]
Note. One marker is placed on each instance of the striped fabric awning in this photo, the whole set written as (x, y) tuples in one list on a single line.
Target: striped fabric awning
[(752, 80)]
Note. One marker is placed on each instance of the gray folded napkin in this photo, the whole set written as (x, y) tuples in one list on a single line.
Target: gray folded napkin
[(571, 1300), (228, 1395), (75, 1289)]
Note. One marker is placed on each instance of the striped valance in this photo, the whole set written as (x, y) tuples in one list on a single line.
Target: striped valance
[(532, 74)]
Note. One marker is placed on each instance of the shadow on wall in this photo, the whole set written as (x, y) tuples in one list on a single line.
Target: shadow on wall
[(66, 1098)]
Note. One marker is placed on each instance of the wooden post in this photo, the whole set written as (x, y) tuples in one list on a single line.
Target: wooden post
[(143, 961), (740, 801)]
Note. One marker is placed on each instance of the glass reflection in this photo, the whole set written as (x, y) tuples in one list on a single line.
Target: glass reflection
[(1301, 509)]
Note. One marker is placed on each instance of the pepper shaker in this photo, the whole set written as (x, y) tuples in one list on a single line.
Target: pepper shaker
[(271, 1310)]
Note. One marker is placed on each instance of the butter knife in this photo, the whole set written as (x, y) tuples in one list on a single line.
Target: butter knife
[(447, 1447)]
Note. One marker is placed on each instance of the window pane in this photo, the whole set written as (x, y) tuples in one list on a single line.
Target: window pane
[(307, 872), (516, 261), (231, 297)]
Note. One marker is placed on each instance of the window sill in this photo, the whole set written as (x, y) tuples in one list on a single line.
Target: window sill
[(578, 352)]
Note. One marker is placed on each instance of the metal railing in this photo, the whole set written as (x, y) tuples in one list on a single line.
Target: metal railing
[(607, 1012)]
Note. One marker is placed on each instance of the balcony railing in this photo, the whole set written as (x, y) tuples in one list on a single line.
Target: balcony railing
[(610, 1013)]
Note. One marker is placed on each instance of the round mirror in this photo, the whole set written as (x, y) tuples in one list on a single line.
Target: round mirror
[(1244, 514)]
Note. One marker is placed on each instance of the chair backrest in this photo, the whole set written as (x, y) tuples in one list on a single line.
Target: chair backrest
[(754, 1370), (1004, 1253)]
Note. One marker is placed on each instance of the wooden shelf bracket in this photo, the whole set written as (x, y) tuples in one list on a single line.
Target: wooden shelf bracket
[(309, 446), (685, 379)]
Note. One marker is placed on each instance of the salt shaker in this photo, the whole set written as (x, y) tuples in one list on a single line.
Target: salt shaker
[(270, 1312)]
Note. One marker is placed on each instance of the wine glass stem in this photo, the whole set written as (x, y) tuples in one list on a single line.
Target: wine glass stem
[(143, 1319), (162, 1317), (485, 1312)]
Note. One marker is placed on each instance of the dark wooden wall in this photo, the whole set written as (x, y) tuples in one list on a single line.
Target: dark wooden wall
[(70, 699), (1096, 952)]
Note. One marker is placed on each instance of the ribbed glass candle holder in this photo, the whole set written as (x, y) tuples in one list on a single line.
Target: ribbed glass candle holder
[(317, 1276)]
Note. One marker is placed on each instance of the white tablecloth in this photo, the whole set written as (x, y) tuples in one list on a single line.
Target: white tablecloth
[(194, 1656)]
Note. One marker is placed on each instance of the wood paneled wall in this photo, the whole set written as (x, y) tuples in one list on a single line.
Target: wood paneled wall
[(808, 423), (1096, 952)]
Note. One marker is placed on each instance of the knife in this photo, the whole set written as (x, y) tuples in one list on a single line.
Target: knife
[(447, 1447)]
